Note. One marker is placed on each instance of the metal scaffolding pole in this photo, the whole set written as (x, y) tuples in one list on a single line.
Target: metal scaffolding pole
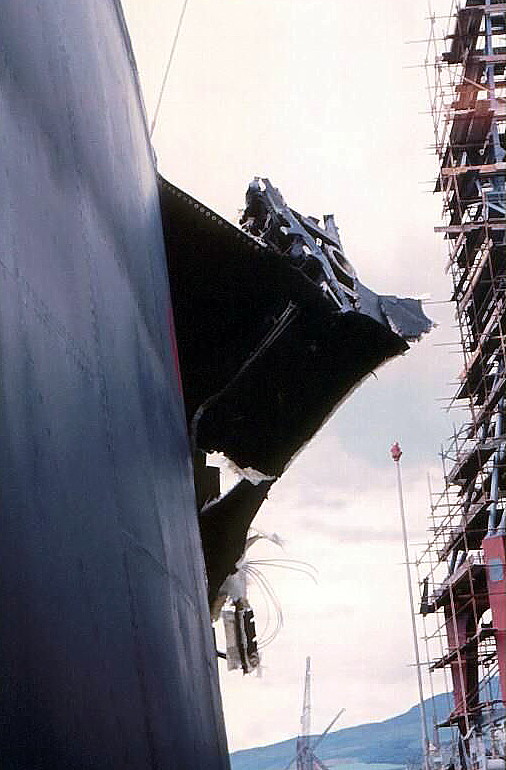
[(396, 456)]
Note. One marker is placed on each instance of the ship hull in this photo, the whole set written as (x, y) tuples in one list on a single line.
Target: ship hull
[(106, 653)]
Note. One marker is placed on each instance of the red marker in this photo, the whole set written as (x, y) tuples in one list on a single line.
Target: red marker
[(396, 452)]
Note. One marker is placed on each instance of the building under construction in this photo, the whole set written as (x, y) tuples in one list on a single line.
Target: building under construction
[(463, 570)]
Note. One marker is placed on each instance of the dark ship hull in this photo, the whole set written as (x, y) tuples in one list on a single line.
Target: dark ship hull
[(106, 653)]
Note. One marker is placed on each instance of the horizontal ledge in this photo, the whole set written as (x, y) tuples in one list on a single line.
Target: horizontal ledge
[(495, 58), (497, 8), (485, 168), (468, 226)]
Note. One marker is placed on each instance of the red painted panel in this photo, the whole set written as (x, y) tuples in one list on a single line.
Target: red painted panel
[(494, 549)]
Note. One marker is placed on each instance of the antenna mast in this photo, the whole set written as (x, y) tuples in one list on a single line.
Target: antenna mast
[(304, 755), (305, 720)]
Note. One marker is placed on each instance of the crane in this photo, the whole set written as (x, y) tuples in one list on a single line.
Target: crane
[(305, 756)]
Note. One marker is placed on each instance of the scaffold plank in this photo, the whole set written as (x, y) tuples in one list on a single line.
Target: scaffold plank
[(467, 227), (488, 9), (490, 404), (494, 58), (473, 276), (466, 648), (471, 529), (470, 575), (485, 168), (467, 466)]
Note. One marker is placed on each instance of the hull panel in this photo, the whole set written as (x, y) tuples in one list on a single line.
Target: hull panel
[(106, 655)]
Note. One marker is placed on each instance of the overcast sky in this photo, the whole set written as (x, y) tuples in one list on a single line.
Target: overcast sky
[(321, 97)]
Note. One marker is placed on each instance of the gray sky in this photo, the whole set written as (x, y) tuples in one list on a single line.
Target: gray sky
[(319, 96)]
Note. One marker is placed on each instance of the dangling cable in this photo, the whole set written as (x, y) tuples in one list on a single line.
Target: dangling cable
[(167, 68)]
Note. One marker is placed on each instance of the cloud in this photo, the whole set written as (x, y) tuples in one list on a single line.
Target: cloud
[(353, 534), (336, 512), (266, 88)]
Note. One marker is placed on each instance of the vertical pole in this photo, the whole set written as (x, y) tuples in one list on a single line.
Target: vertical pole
[(167, 68), (304, 760), (489, 50), (396, 456), (305, 720), (498, 460), (307, 715)]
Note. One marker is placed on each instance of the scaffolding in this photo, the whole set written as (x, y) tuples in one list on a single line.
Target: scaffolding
[(463, 590)]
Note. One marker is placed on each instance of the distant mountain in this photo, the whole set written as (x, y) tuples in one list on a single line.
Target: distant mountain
[(395, 742)]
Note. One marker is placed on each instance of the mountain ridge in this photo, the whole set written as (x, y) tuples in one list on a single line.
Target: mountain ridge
[(393, 742)]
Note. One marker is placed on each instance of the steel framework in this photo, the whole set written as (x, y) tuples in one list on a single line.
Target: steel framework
[(464, 584)]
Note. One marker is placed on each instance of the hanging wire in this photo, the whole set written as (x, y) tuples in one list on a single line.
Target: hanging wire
[(252, 570), (300, 566), (268, 592), (167, 68), (270, 597)]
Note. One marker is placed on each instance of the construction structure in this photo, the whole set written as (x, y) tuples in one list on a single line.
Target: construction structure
[(305, 755), (463, 570)]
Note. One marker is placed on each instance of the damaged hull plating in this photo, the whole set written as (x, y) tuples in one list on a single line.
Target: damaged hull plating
[(274, 331), (274, 328)]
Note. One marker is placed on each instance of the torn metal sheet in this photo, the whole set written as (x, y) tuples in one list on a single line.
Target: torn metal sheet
[(274, 329), (318, 251), (315, 251), (224, 525), (240, 637), (231, 642), (403, 316)]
